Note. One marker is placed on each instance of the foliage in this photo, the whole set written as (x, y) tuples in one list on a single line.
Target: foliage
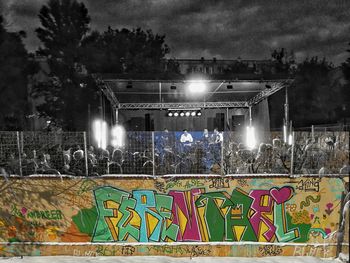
[(313, 97), (344, 111), (124, 51), (309, 96), (67, 47), (15, 66), (346, 66), (66, 93)]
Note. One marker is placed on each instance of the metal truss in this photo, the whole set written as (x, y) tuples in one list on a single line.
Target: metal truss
[(276, 86), (185, 105), (107, 91)]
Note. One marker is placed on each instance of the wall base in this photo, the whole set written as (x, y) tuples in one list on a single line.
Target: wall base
[(173, 250)]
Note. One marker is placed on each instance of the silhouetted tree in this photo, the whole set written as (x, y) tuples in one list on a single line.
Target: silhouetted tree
[(124, 51), (313, 97), (344, 108), (64, 24), (15, 66), (346, 66)]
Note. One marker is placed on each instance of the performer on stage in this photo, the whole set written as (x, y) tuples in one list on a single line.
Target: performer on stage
[(186, 141), (186, 138)]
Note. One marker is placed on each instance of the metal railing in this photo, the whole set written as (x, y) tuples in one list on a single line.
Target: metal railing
[(160, 153)]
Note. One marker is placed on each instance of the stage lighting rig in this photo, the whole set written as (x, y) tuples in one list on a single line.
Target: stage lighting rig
[(184, 112)]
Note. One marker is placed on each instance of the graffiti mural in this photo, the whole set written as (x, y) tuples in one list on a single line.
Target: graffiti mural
[(149, 210), (193, 215)]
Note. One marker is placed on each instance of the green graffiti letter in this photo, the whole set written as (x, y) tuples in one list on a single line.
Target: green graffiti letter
[(238, 226), (282, 233), (108, 200), (164, 204)]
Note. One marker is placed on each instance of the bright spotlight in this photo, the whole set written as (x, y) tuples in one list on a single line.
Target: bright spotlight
[(197, 86), (170, 114), (199, 113), (250, 140), (290, 139), (100, 133), (193, 113), (182, 114), (285, 135), (187, 113), (176, 114), (118, 136)]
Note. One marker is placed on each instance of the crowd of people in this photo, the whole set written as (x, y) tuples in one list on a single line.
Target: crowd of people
[(179, 153)]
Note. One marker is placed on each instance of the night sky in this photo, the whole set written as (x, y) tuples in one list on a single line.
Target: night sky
[(222, 29)]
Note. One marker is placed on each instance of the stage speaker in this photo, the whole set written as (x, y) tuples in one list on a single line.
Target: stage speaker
[(149, 122), (219, 121), (238, 122)]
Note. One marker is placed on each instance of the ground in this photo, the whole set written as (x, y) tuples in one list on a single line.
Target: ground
[(162, 259)]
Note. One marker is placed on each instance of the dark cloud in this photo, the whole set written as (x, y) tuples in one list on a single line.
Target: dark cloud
[(224, 29)]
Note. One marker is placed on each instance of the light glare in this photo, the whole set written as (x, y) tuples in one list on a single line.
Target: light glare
[(285, 133), (250, 137), (290, 139), (118, 136), (197, 86), (100, 133)]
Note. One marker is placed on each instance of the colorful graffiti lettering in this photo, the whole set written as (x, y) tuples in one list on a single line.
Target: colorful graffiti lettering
[(36, 214), (193, 215)]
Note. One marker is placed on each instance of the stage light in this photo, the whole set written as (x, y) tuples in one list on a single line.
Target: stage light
[(176, 114), (100, 132), (290, 139), (285, 135), (197, 86), (250, 139), (187, 113), (199, 113), (129, 85), (170, 114), (182, 114), (118, 136), (193, 113)]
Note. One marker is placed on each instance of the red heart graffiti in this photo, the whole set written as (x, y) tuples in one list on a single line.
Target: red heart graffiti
[(281, 195), (24, 210)]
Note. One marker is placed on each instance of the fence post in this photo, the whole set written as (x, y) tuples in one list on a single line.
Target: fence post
[(19, 154), (85, 154), (292, 157), (222, 155), (154, 163), (22, 142)]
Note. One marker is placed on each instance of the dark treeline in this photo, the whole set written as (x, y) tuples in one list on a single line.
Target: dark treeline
[(72, 51)]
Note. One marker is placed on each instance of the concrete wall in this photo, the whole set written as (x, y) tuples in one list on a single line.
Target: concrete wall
[(176, 216)]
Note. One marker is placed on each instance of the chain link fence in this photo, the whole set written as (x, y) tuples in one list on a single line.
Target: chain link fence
[(160, 153)]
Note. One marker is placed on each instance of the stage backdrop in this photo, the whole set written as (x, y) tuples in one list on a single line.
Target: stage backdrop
[(177, 216)]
